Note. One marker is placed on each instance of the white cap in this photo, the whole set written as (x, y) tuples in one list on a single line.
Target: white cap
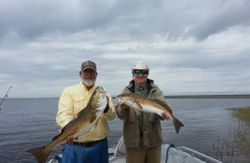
[(140, 66)]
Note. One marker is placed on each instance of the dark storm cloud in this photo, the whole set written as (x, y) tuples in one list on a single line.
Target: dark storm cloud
[(30, 19)]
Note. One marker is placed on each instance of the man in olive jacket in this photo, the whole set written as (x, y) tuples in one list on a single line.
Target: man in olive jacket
[(142, 134)]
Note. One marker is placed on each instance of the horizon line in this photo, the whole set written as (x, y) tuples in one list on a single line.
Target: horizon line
[(247, 96)]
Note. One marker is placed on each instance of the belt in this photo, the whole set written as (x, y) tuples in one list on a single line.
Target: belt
[(88, 144)]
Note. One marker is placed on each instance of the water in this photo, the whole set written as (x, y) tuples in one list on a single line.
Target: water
[(27, 123)]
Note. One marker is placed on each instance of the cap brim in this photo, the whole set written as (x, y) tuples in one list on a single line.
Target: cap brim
[(91, 68)]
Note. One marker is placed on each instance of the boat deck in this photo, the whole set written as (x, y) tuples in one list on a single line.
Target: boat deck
[(170, 154)]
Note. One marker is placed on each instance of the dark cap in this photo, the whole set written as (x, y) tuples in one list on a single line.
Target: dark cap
[(88, 65)]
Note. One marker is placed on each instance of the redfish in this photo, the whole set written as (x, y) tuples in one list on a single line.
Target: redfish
[(86, 119), (139, 103)]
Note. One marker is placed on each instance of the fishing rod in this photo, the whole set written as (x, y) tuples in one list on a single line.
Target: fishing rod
[(6, 95)]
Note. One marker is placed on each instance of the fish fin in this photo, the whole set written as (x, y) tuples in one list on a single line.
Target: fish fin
[(139, 105), (92, 118), (162, 104), (177, 124), (83, 130), (96, 123), (40, 153), (137, 111), (93, 123)]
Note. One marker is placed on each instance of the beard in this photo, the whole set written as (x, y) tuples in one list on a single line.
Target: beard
[(88, 82)]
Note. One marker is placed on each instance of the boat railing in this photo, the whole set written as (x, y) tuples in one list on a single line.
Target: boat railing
[(199, 155), (118, 150)]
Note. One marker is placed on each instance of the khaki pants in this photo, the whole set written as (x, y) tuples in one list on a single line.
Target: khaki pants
[(141, 155)]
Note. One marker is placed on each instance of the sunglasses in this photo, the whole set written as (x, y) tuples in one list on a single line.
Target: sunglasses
[(137, 72)]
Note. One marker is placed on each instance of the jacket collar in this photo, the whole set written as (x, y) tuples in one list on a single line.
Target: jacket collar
[(131, 85)]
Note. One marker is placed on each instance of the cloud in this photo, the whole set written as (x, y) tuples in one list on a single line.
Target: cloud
[(139, 19), (191, 47), (221, 16)]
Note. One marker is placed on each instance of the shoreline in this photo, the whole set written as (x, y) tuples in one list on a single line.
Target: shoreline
[(208, 97)]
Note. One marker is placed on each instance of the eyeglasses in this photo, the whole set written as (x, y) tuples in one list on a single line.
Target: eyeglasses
[(137, 72)]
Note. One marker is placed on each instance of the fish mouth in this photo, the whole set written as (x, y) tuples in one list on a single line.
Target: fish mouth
[(103, 105), (102, 90), (120, 101), (102, 100)]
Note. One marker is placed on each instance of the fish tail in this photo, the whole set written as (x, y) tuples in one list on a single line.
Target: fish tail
[(40, 153), (177, 124)]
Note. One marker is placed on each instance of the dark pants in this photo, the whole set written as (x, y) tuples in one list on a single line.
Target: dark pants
[(98, 153)]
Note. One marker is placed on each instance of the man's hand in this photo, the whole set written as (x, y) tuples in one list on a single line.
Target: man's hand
[(70, 139), (164, 115), (123, 106)]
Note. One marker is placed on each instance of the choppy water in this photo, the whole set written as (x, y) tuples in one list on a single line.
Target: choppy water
[(26, 123)]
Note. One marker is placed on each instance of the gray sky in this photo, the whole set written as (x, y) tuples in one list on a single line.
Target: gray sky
[(191, 46)]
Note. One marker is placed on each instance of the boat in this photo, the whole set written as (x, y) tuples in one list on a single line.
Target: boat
[(170, 154)]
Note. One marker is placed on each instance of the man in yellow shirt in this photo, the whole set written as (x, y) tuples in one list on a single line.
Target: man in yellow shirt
[(92, 146)]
